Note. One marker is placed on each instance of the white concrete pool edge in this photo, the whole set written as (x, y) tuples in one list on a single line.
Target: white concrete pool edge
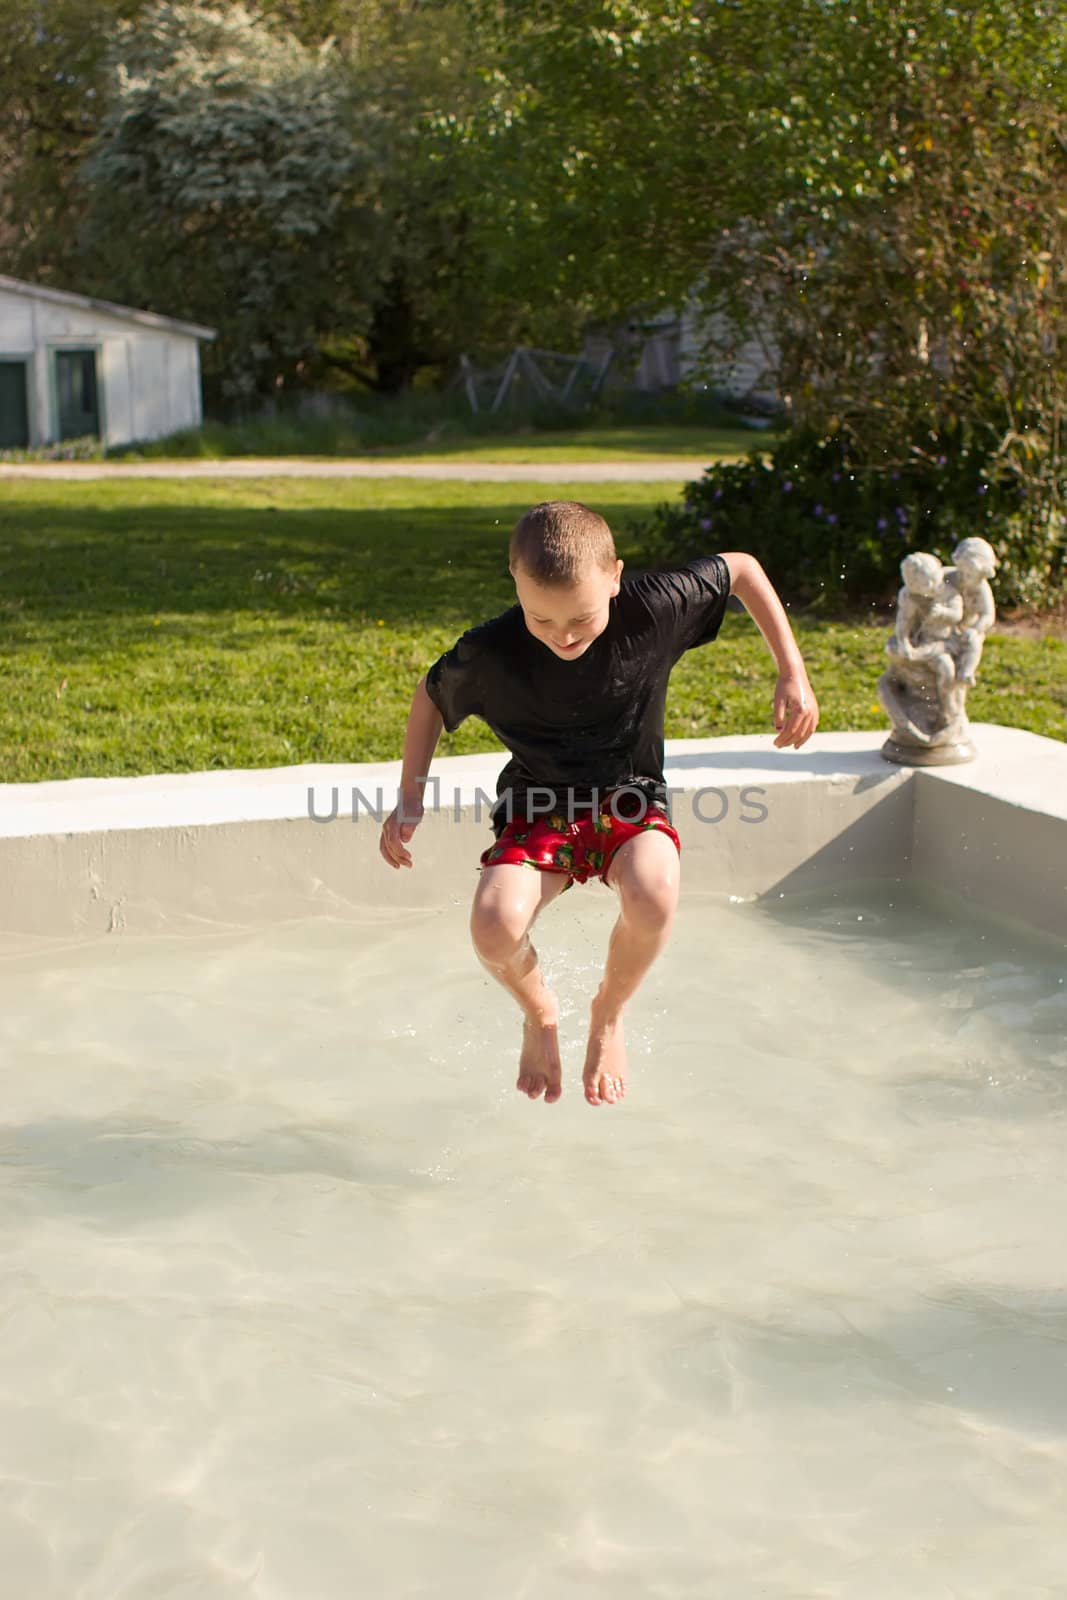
[(179, 852)]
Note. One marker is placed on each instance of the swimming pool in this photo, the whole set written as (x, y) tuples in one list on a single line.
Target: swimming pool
[(301, 1299)]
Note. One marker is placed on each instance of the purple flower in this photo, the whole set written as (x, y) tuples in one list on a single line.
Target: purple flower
[(894, 474), (882, 524), (902, 515), (705, 524), (941, 460), (718, 494), (817, 511), (831, 517), (982, 487), (835, 477), (787, 487)]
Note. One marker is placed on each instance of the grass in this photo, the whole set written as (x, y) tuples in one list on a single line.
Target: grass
[(432, 425), (449, 442), (167, 626)]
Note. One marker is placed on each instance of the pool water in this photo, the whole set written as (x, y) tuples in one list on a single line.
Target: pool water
[(301, 1300)]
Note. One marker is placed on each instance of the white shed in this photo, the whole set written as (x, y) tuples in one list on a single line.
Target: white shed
[(672, 351), (71, 366)]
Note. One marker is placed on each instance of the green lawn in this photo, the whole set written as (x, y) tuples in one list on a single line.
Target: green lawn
[(162, 626), (679, 441), (449, 442)]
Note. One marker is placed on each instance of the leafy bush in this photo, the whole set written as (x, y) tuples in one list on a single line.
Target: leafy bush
[(828, 527)]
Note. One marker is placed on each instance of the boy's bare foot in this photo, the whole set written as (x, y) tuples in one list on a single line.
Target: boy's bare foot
[(539, 1064), (604, 1075)]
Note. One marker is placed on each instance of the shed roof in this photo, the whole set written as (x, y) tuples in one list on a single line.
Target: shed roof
[(148, 319)]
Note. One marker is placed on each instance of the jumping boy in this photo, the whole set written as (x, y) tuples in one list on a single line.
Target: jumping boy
[(573, 681)]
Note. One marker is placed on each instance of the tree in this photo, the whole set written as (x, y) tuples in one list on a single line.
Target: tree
[(881, 182), (52, 64), (909, 248), (232, 182), (424, 58), (415, 65), (419, 63)]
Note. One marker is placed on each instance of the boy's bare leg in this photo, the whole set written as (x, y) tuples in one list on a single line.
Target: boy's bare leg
[(506, 904), (646, 873)]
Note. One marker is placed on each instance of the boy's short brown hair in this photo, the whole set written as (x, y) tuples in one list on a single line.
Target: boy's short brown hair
[(557, 540)]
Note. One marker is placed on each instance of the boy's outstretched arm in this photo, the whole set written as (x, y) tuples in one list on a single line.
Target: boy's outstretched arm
[(796, 710), (420, 741)]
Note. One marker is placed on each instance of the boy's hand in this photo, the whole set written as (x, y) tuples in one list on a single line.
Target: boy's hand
[(396, 833), (796, 710)]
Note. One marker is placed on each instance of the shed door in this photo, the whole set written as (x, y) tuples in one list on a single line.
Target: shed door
[(79, 413), (14, 417)]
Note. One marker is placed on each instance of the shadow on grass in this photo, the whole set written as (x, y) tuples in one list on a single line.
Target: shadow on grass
[(683, 441), (408, 567)]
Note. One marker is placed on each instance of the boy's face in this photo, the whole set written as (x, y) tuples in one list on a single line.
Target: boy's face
[(568, 617)]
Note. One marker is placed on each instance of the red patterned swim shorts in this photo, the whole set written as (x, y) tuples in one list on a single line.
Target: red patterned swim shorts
[(582, 849)]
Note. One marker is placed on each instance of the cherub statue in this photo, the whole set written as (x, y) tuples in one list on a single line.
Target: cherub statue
[(942, 618), (975, 563)]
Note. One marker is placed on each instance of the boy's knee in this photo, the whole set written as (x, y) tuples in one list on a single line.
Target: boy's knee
[(498, 929), (651, 899)]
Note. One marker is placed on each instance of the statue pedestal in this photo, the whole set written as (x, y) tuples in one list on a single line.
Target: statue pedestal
[(928, 755)]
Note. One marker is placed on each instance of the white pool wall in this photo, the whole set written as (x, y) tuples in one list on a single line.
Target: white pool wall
[(182, 853)]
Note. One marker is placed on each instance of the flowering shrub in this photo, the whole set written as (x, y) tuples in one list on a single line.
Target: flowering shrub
[(827, 527)]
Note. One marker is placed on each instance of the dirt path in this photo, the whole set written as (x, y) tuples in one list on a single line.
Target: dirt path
[(656, 471)]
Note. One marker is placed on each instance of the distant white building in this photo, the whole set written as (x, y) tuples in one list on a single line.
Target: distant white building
[(672, 351), (71, 366), (744, 368)]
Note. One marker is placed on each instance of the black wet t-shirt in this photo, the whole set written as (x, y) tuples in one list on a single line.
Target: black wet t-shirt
[(594, 723)]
